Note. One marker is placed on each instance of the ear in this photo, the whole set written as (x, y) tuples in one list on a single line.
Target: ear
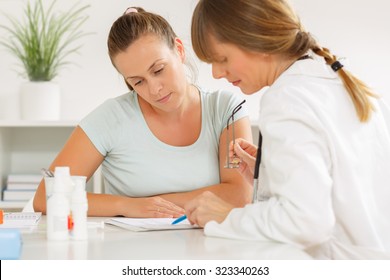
[(180, 49), (265, 55)]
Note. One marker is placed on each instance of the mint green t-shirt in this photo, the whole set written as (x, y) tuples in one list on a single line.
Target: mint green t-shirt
[(137, 164)]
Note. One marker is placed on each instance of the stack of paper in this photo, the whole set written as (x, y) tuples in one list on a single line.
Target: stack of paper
[(20, 219), (138, 224)]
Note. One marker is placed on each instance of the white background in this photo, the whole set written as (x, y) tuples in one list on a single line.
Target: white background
[(357, 30)]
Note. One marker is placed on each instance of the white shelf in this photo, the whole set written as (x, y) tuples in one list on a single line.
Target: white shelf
[(12, 204), (28, 146)]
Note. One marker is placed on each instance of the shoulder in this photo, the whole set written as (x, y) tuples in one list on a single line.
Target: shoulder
[(219, 93), (113, 107), (118, 102), (307, 82), (110, 113), (218, 106), (104, 125), (219, 98)]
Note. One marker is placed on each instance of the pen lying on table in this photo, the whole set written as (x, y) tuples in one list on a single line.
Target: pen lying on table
[(178, 220)]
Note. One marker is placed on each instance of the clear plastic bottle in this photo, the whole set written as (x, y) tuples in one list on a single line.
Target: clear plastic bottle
[(58, 209), (79, 208)]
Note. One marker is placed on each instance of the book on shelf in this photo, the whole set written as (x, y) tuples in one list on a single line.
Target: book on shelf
[(24, 178), (17, 195)]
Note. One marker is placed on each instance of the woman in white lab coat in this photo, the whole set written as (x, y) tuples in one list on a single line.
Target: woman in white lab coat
[(325, 171)]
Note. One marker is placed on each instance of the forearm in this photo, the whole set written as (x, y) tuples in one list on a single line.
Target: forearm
[(132, 207), (98, 204), (231, 193), (39, 202), (106, 205)]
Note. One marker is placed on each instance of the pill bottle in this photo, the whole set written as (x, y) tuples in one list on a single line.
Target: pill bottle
[(58, 209)]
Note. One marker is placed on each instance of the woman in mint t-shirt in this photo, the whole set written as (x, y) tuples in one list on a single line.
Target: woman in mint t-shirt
[(165, 141)]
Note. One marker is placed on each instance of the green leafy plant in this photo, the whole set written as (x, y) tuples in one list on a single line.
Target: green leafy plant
[(44, 38)]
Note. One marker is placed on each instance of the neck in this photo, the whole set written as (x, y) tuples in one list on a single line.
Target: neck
[(284, 64), (191, 100), (281, 65), (184, 104)]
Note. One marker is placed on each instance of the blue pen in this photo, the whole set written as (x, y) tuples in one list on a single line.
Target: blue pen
[(178, 220)]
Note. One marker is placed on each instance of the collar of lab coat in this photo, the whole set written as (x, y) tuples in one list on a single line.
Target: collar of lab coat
[(315, 67)]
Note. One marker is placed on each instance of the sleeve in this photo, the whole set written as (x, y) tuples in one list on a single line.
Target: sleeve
[(100, 125), (224, 104), (296, 173), (385, 110)]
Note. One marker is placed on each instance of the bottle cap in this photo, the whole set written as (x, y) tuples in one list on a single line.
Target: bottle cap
[(62, 180), (61, 171), (79, 194)]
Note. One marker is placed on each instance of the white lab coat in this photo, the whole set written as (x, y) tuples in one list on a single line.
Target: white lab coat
[(327, 175)]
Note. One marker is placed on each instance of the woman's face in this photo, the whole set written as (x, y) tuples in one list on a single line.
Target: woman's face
[(250, 71), (155, 71)]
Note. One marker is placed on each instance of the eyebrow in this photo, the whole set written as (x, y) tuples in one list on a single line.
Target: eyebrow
[(151, 66)]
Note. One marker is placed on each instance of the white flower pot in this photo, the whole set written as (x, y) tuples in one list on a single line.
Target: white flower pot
[(40, 101)]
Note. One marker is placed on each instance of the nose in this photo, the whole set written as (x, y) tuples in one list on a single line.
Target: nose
[(218, 71), (155, 87)]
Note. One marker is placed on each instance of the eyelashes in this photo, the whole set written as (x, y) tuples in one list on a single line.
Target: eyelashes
[(155, 73)]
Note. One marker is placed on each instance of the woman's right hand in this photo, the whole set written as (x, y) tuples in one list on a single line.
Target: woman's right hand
[(247, 152), (151, 207)]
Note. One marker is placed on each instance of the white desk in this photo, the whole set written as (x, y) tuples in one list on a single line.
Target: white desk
[(119, 244), (115, 243)]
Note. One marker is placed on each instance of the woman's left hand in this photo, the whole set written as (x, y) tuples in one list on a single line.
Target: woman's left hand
[(207, 207)]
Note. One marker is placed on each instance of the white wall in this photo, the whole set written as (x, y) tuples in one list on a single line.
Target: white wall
[(352, 29)]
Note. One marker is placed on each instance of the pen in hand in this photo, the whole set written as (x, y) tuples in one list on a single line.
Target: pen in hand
[(256, 171), (178, 220)]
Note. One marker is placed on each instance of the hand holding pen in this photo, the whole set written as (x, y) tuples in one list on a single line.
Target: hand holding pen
[(207, 207), (250, 161)]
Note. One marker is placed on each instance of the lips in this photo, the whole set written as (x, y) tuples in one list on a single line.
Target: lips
[(165, 98), (235, 83)]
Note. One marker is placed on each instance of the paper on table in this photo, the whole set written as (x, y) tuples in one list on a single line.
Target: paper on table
[(20, 219), (149, 224)]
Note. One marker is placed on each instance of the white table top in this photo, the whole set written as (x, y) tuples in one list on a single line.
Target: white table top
[(119, 244)]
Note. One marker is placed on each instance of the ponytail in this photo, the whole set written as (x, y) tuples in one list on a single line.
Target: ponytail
[(357, 90)]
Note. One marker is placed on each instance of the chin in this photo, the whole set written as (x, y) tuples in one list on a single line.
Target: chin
[(252, 90), (248, 91)]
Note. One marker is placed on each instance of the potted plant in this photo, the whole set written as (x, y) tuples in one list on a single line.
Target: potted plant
[(42, 41)]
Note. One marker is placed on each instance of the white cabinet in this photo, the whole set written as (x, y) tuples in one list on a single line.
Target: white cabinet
[(26, 147)]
